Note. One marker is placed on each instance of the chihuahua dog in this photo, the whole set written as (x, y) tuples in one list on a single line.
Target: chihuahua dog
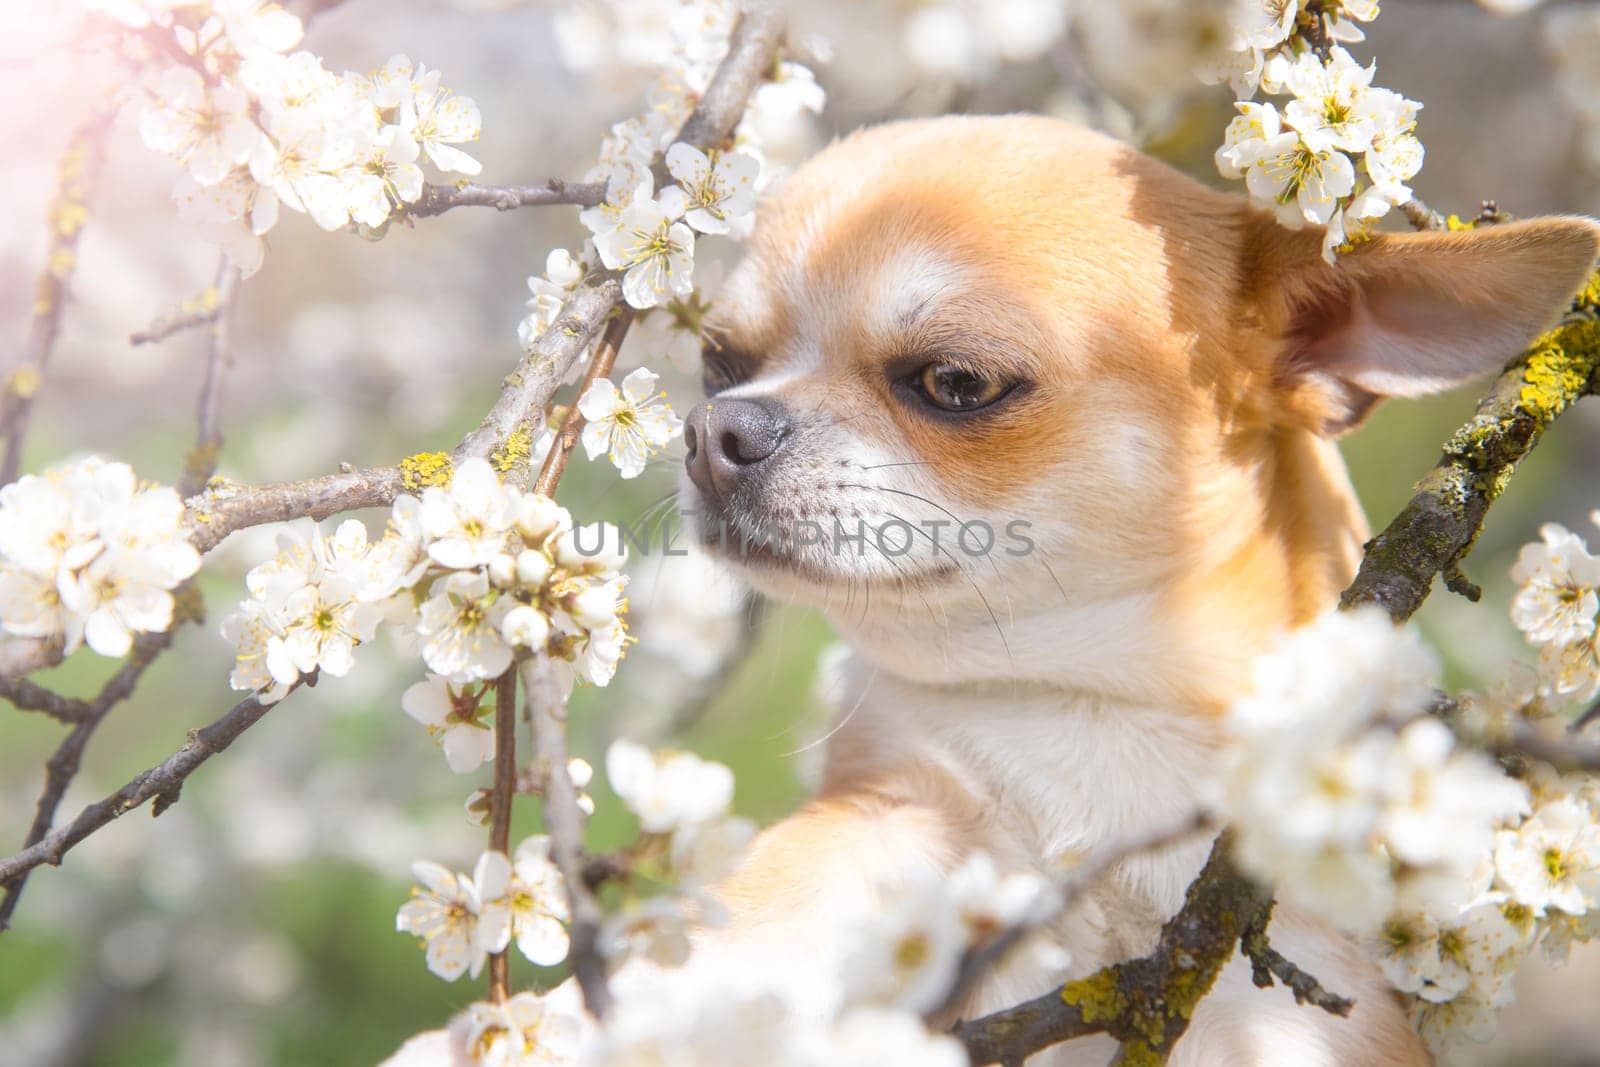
[(1045, 428)]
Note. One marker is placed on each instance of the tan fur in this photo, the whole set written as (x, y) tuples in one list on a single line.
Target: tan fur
[(1186, 357)]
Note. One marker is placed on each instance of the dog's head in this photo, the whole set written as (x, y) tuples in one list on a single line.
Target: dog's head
[(998, 393)]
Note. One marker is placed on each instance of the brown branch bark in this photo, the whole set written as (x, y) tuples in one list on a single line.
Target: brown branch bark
[(1267, 964), (504, 791), (1146, 1004), (200, 310), (162, 783), (1440, 523), (62, 767), (29, 696), (605, 357)]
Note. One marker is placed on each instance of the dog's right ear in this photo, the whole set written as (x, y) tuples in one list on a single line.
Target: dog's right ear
[(1405, 314)]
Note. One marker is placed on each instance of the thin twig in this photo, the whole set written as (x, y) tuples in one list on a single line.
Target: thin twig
[(29, 696), (505, 780), (437, 199), (202, 462), (62, 767), (1267, 963), (163, 782), (198, 310), (68, 213), (1085, 877), (555, 463), (1421, 216)]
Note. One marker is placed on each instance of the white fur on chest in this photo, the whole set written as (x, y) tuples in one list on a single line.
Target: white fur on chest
[(1057, 777)]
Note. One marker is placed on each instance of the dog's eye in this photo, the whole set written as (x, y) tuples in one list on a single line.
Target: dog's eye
[(716, 374), (953, 388)]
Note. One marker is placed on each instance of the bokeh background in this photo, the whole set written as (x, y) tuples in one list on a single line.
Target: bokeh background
[(252, 923)]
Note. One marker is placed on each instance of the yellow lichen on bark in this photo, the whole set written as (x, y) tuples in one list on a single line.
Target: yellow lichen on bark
[(425, 469)]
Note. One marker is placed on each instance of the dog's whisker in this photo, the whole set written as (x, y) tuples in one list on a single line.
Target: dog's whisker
[(842, 723)]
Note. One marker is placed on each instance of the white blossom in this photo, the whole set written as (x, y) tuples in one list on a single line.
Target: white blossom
[(668, 790), (90, 556), (1332, 107), (443, 912), (657, 929), (466, 525), (1328, 800), (1553, 859), (720, 187), (907, 954), (439, 120), (648, 240), (524, 900), (206, 128), (628, 424), (454, 716), (460, 625), (524, 1031), (1559, 588)]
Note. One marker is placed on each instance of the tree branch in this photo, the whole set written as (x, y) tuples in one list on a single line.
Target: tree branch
[(162, 783), (437, 199), (1146, 1004), (28, 696), (62, 767), (555, 463), (202, 462), (199, 310), (546, 710), (1440, 523), (505, 780), (1267, 963), (68, 212)]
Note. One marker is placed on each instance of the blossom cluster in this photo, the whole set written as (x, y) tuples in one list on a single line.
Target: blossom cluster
[(690, 840), (1555, 605), (469, 573), (1344, 791), (1539, 887), (258, 127), (88, 555), (902, 962), (1340, 152), (648, 233), (461, 919), (1361, 806)]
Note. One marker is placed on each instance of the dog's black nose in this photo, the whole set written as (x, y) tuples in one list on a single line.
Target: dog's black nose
[(727, 439)]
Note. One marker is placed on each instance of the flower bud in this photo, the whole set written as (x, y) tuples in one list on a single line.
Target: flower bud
[(596, 606), (532, 568), (503, 571), (526, 626), (601, 548), (538, 516)]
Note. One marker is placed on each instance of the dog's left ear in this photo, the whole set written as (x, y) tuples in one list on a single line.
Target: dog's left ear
[(1406, 314)]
